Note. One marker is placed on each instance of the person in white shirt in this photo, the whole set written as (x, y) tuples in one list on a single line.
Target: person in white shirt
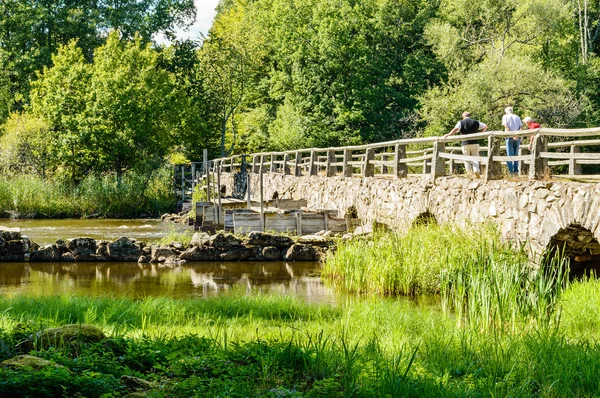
[(512, 122)]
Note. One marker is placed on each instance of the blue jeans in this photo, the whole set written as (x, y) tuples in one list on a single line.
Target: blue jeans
[(512, 149)]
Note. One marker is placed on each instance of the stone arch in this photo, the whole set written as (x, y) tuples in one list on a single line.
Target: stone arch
[(351, 212), (580, 246), (425, 218)]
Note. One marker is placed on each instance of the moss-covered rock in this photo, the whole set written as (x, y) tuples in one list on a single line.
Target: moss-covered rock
[(27, 361)]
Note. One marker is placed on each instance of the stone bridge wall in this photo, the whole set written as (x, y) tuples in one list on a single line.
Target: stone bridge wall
[(530, 213)]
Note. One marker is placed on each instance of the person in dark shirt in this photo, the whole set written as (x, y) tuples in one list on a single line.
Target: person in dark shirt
[(468, 126)]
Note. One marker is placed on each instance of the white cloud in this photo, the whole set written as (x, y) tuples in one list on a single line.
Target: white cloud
[(205, 13)]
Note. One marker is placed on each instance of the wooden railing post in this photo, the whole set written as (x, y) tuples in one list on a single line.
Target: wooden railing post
[(426, 165), (438, 165), (297, 169), (312, 167), (368, 167), (574, 168), (329, 169), (286, 166), (255, 164), (538, 167), (401, 169), (384, 168), (347, 168), (524, 167), (493, 171), (273, 167)]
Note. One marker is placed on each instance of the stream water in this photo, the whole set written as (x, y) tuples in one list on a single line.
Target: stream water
[(143, 280), (44, 232)]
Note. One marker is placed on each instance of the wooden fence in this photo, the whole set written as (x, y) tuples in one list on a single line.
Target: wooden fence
[(560, 152)]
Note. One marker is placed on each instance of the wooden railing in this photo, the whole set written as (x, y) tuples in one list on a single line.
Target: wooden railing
[(560, 152)]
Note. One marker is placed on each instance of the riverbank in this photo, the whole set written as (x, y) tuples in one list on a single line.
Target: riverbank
[(201, 247), (136, 195)]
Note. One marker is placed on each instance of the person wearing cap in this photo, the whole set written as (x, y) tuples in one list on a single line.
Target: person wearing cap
[(512, 122), (531, 125), (469, 147)]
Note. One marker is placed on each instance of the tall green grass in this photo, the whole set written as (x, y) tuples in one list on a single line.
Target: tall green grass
[(137, 194), (271, 347), (481, 280)]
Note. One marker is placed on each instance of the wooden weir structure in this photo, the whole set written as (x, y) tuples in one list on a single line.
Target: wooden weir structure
[(567, 153)]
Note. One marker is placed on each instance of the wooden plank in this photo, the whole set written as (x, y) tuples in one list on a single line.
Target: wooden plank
[(290, 204), (244, 223), (416, 159), (337, 225), (571, 143), (582, 156), (511, 158)]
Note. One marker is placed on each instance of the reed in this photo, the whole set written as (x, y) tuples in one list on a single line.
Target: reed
[(480, 279), (136, 194)]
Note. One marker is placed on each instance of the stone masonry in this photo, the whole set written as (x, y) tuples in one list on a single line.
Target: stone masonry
[(531, 213)]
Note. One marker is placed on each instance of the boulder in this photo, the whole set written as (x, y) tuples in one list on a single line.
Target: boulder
[(202, 253), (265, 239), (17, 246), (200, 239), (83, 249), (271, 253), (10, 233), (46, 254), (67, 257), (301, 252), (163, 251), (143, 259), (124, 249), (315, 240), (102, 251), (71, 335), (236, 253), (224, 241), (28, 361), (174, 261), (177, 246)]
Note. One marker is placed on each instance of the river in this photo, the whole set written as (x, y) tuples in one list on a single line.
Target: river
[(144, 280)]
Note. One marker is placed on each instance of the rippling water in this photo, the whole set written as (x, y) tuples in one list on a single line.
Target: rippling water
[(45, 231)]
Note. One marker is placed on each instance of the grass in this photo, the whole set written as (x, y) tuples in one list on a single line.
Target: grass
[(136, 195), (273, 347), (485, 282), (497, 329)]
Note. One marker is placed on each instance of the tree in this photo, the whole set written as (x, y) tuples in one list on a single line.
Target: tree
[(197, 114), (112, 115), (60, 97), (32, 30), (26, 145)]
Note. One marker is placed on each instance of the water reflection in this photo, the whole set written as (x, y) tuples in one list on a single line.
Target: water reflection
[(142, 280)]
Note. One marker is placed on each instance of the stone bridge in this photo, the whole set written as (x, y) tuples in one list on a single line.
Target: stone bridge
[(537, 214), (398, 182)]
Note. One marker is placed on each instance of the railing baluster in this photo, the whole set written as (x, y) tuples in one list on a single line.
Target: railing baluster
[(574, 167), (368, 166), (347, 167), (312, 167), (401, 169), (329, 169)]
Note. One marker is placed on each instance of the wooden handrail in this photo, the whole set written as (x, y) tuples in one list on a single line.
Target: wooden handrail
[(431, 155)]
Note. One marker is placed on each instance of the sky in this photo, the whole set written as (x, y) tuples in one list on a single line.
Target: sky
[(205, 12)]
